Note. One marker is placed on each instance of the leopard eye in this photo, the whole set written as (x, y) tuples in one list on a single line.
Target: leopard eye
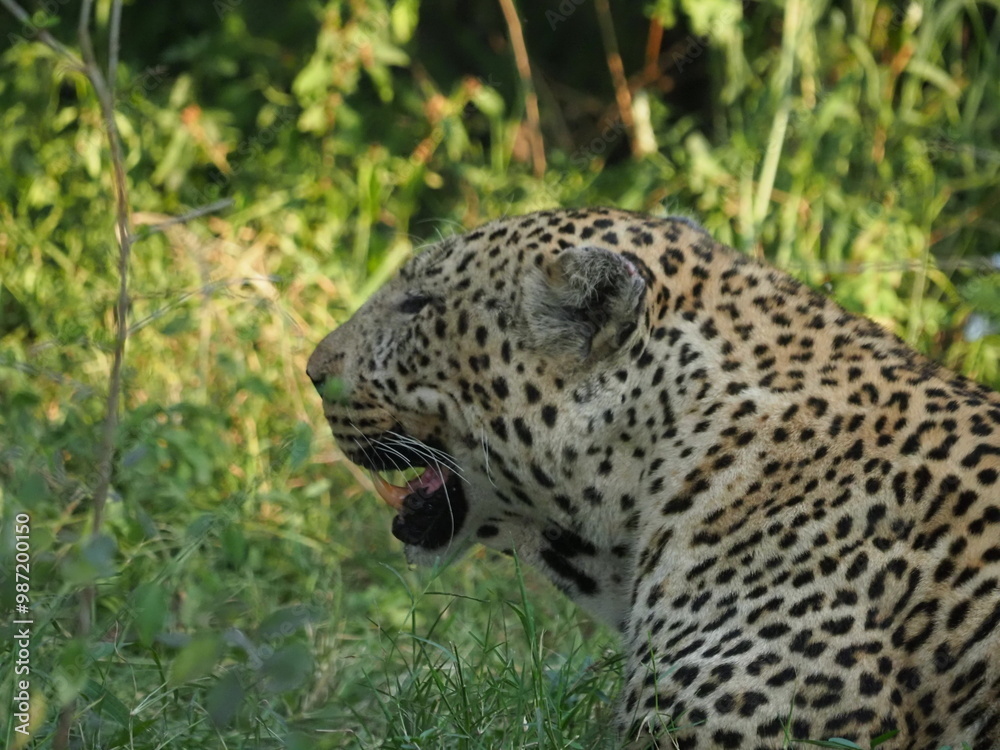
[(414, 303)]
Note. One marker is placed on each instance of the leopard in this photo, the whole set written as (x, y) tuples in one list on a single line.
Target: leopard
[(790, 517)]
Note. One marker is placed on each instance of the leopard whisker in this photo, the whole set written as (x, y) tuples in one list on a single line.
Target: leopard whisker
[(375, 445), (486, 454), (435, 455)]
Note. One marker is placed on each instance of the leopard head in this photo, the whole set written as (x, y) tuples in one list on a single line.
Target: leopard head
[(488, 363)]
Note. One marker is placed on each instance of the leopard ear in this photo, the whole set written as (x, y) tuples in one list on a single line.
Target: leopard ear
[(586, 302)]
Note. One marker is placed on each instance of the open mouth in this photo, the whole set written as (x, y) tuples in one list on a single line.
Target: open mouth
[(430, 508)]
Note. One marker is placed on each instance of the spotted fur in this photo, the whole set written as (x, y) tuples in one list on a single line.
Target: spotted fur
[(792, 518)]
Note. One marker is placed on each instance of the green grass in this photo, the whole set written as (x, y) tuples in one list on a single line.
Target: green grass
[(249, 594), (507, 684)]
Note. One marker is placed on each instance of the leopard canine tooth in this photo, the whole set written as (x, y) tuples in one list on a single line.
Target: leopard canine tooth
[(392, 494)]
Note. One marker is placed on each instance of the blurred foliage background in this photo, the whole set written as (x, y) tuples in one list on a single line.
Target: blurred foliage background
[(248, 593)]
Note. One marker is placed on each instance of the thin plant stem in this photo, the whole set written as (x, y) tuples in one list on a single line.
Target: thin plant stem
[(530, 97), (654, 41), (794, 13), (623, 96), (104, 88), (105, 97), (194, 213)]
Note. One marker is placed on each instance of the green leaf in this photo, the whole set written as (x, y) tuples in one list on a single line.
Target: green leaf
[(983, 293), (181, 323), (335, 390), (287, 669), (224, 699), (99, 550), (14, 314), (884, 737), (404, 16), (92, 559), (234, 544), (32, 489), (298, 741), (42, 20), (106, 703), (301, 447), (488, 101), (151, 601), (197, 659), (285, 622), (72, 666), (257, 386)]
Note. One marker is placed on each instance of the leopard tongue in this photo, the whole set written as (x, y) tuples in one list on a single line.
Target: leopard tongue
[(428, 482)]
